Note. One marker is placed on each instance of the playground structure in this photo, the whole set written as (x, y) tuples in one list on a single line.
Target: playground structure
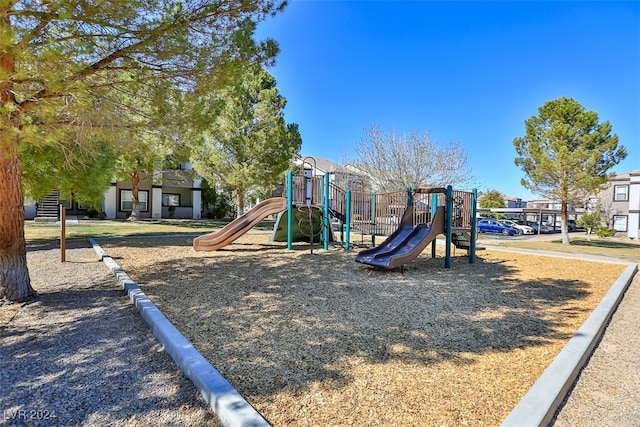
[(313, 206), (240, 225), (428, 213)]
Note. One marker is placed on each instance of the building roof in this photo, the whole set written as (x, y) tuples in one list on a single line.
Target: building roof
[(325, 165), (626, 175)]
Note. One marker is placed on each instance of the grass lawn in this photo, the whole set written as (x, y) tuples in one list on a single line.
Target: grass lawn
[(40, 231), (624, 248)]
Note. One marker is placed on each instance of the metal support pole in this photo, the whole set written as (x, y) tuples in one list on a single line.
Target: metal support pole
[(327, 219), (290, 210), (434, 209), (63, 233), (474, 230), (373, 220), (447, 227), (540, 222), (348, 218)]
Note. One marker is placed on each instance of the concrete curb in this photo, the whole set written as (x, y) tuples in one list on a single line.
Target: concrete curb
[(226, 402), (539, 406)]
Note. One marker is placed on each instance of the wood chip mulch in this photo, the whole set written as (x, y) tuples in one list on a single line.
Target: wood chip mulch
[(318, 339)]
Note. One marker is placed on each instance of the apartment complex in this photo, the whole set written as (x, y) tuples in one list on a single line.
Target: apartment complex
[(620, 202), (174, 193)]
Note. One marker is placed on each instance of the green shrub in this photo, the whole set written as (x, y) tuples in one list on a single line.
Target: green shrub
[(605, 232)]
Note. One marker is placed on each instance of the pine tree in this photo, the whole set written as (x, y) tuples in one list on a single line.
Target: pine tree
[(68, 70), (566, 153)]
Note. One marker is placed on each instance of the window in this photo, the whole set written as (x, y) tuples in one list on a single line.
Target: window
[(621, 193), (170, 200), (126, 200), (620, 222)]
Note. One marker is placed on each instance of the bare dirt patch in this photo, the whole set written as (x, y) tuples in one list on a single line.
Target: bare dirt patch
[(317, 339)]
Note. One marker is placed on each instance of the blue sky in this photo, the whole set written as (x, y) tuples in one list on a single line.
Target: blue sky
[(465, 72)]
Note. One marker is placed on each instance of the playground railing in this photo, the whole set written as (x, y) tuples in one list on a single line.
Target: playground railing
[(380, 213), (337, 201), (308, 190), (461, 217)]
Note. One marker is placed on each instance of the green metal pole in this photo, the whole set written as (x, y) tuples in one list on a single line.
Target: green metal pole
[(290, 210), (326, 219), (347, 219), (434, 209), (373, 220), (474, 231), (447, 227)]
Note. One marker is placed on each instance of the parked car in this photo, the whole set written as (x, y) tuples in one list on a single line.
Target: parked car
[(490, 225), (571, 224), (524, 229), (535, 226)]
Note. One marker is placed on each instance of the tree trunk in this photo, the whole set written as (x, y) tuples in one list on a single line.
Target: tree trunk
[(15, 284), (136, 178), (240, 202), (564, 229)]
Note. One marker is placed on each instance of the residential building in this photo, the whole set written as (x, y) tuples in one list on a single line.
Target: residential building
[(620, 203), (515, 202), (174, 193), (345, 177)]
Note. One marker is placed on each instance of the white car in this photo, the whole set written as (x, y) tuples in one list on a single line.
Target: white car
[(524, 229)]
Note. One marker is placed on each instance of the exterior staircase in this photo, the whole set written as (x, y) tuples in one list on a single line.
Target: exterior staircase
[(48, 208)]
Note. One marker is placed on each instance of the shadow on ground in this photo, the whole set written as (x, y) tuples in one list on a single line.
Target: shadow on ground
[(289, 319), (604, 243), (76, 353)]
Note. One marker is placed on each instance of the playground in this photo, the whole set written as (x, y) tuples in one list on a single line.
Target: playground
[(313, 338), (411, 219)]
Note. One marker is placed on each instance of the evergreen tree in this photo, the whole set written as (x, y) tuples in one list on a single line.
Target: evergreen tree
[(566, 153), (68, 70), (249, 145), (491, 199)]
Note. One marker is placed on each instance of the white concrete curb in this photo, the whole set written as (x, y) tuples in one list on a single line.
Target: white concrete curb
[(538, 407), (226, 402)]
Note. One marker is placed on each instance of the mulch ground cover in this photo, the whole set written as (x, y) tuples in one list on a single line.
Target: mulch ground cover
[(317, 339)]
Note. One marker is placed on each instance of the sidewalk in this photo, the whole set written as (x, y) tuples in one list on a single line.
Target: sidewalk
[(607, 392)]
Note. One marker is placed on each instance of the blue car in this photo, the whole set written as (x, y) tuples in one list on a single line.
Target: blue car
[(491, 225)]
